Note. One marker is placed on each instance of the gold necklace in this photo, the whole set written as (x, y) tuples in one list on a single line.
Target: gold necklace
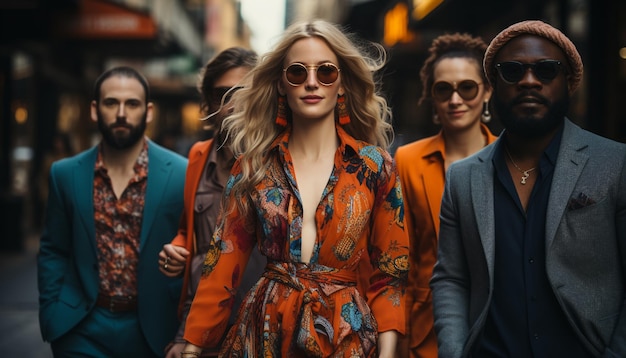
[(525, 173)]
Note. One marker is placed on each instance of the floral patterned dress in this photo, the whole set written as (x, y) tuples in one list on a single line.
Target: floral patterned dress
[(309, 310)]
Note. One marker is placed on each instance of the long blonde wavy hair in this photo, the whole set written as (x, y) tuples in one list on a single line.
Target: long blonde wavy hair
[(251, 128)]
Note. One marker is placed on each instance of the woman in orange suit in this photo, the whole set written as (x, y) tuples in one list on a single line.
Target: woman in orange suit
[(209, 167), (455, 84)]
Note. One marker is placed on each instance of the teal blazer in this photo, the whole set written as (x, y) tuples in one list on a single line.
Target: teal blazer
[(67, 264)]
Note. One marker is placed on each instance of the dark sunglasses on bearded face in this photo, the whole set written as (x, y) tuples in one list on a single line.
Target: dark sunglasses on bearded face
[(467, 89), (512, 72), (297, 73), (219, 94)]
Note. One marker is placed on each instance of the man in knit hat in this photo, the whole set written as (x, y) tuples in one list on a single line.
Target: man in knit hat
[(532, 246)]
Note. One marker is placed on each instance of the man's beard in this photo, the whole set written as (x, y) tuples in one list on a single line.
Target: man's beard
[(119, 139), (530, 126)]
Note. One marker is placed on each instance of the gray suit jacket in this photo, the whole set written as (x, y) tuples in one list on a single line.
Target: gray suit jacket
[(585, 245)]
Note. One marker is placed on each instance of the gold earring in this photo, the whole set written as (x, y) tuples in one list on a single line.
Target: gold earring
[(342, 110), (281, 113)]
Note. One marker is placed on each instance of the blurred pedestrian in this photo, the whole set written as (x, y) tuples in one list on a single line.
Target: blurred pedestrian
[(110, 210), (455, 85), (533, 227), (314, 188), (209, 166)]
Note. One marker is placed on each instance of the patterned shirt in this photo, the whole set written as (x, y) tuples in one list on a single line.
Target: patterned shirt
[(118, 227), (314, 307)]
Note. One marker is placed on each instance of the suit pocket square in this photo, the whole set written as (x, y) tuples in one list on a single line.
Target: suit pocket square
[(579, 201)]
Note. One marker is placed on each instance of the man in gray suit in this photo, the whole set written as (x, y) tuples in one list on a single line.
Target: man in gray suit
[(532, 246)]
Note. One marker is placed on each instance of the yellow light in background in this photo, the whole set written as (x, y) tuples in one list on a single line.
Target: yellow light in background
[(190, 113), (622, 53), (421, 8), (396, 25), (69, 112), (21, 115)]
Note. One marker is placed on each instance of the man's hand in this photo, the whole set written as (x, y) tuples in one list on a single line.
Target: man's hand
[(172, 260), (173, 350)]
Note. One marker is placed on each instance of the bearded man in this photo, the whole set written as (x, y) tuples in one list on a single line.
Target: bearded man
[(532, 240), (110, 210)]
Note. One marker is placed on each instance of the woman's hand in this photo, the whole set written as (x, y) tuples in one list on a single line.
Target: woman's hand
[(387, 342), (172, 260)]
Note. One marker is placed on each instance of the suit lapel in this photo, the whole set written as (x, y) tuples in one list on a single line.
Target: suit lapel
[(569, 165), (83, 176), (195, 168), (481, 184), (159, 172), (433, 190)]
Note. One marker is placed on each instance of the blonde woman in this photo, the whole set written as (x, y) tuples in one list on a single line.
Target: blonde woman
[(315, 189)]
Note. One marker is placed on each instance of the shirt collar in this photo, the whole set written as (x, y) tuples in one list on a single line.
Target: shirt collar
[(437, 144), (141, 164), (550, 153), (435, 147), (348, 145), (212, 158)]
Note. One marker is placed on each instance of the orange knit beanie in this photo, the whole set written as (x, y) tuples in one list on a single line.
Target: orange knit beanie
[(537, 28)]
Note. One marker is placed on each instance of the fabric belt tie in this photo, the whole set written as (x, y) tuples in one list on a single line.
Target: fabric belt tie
[(312, 332), (117, 303)]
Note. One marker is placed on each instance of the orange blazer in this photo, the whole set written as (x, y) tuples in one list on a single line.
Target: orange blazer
[(198, 155), (421, 168)]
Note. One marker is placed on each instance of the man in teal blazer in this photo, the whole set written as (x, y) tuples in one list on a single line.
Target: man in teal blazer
[(110, 211)]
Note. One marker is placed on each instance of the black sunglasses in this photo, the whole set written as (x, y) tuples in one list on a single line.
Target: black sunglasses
[(297, 73), (467, 89), (512, 72), (221, 95)]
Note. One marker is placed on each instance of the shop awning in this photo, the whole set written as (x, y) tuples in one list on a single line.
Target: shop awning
[(100, 19)]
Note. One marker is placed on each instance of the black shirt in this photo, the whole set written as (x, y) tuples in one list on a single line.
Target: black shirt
[(524, 319)]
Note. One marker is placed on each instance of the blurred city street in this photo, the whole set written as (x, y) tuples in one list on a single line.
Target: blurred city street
[(47, 73), (19, 326)]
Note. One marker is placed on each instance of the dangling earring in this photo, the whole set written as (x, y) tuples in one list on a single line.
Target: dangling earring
[(486, 116), (342, 110), (281, 114), (436, 119)]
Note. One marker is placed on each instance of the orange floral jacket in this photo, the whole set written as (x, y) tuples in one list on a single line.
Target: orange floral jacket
[(313, 308)]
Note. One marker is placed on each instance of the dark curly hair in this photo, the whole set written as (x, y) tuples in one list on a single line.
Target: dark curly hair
[(456, 45)]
